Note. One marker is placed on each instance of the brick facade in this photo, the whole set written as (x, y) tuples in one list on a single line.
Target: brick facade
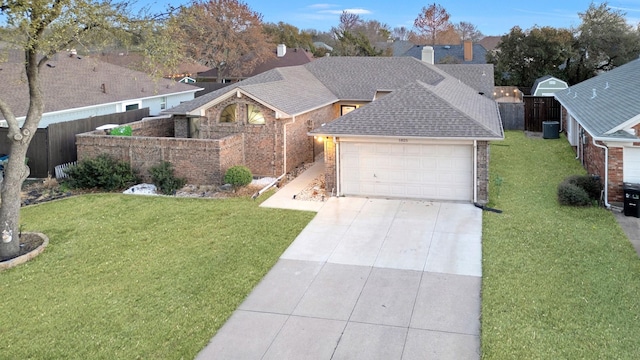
[(593, 160), (199, 161), (482, 173)]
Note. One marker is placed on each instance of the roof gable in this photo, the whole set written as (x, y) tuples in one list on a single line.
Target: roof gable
[(606, 104), (444, 110)]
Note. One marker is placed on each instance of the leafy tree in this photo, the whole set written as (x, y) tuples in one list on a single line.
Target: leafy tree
[(524, 56), (39, 29), (354, 44), (283, 33), (223, 34), (433, 20), (355, 37), (468, 31), (604, 41)]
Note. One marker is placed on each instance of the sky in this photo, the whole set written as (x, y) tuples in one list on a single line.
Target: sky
[(492, 17)]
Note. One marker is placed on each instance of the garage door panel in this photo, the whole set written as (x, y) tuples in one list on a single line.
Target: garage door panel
[(631, 163), (407, 170)]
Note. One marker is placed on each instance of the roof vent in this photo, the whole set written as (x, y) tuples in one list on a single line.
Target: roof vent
[(51, 65), (103, 87)]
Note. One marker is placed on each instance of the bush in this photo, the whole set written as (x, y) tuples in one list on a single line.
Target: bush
[(572, 195), (164, 179), (103, 172), (588, 183), (238, 176)]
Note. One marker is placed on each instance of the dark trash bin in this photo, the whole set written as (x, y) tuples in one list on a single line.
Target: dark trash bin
[(550, 129), (631, 199)]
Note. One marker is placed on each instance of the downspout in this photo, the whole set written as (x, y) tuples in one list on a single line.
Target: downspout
[(580, 135), (606, 173), (475, 172)]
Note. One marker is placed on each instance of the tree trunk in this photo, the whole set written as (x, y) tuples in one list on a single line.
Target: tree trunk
[(15, 173)]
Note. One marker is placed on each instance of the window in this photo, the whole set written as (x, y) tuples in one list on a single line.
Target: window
[(254, 115), (163, 103), (345, 109), (131, 107), (228, 114)]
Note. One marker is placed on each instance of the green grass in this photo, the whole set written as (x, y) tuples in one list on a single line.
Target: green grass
[(558, 282), (128, 277)]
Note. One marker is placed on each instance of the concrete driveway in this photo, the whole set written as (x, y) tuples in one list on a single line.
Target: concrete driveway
[(367, 279)]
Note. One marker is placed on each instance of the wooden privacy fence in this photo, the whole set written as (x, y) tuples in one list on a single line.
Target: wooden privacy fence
[(538, 109), (56, 144)]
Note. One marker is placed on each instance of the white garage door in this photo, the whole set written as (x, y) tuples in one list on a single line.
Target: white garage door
[(439, 172), (631, 164)]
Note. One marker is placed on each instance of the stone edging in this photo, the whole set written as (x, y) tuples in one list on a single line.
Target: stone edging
[(4, 265)]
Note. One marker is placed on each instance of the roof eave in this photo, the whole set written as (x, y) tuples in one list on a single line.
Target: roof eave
[(199, 111), (329, 134)]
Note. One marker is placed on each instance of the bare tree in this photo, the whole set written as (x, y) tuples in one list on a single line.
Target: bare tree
[(468, 31), (348, 21), (400, 33), (225, 35), (431, 21)]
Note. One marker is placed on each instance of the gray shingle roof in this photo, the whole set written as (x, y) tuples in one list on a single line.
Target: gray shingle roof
[(440, 52), (478, 76), (299, 89), (605, 102), (444, 110), (75, 82)]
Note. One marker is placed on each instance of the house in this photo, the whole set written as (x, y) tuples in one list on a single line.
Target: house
[(184, 72), (465, 53), (547, 85), (601, 117), (284, 57), (403, 128), (80, 92), (78, 87)]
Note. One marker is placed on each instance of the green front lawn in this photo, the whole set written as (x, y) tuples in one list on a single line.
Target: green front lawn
[(558, 282), (127, 277)]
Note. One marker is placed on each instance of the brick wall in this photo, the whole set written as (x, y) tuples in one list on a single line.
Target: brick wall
[(330, 176), (199, 161), (264, 144), (482, 156), (594, 163)]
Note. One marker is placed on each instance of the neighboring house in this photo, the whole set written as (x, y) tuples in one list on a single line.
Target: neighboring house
[(79, 87), (185, 72), (490, 43), (284, 57), (547, 85), (466, 53), (403, 128), (601, 117)]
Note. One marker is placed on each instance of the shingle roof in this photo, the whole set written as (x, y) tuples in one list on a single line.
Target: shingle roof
[(74, 82), (606, 102), (440, 52), (299, 89), (478, 76), (444, 110)]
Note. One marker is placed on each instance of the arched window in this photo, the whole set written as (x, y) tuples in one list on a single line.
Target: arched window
[(254, 115), (228, 114)]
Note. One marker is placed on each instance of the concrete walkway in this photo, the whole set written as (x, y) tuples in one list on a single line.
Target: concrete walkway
[(367, 279), (631, 227)]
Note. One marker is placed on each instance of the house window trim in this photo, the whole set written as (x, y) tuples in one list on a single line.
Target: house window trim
[(163, 103), (128, 103), (235, 119)]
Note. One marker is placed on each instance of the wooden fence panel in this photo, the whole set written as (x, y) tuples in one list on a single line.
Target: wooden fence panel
[(56, 144), (538, 109)]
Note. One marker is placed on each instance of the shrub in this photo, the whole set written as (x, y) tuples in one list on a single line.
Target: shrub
[(102, 172), (572, 195), (588, 183), (164, 179), (238, 176)]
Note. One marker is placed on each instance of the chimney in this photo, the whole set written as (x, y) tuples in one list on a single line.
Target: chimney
[(282, 49), (427, 55), (468, 50)]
